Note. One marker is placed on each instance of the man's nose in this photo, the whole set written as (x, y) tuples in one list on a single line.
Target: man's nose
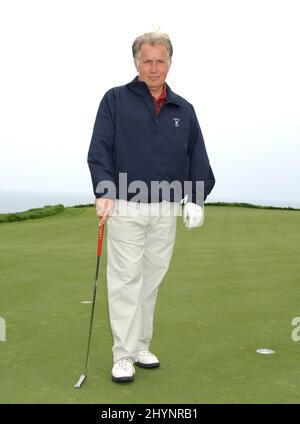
[(153, 66)]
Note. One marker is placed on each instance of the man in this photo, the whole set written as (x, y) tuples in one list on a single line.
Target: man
[(147, 133)]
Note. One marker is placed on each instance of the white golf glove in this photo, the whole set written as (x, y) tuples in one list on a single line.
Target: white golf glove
[(192, 215)]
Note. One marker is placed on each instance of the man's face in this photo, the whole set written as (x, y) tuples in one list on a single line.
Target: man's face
[(153, 65)]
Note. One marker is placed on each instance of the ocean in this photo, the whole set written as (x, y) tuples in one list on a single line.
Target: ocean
[(18, 201)]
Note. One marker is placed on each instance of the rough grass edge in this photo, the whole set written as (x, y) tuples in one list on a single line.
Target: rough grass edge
[(47, 210), (250, 205), (35, 213), (240, 205)]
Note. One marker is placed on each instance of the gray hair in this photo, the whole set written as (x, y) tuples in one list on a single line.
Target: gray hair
[(151, 38)]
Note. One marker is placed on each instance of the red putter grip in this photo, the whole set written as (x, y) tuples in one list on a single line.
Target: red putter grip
[(100, 239)]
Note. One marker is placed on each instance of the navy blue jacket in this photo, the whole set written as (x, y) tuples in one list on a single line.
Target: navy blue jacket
[(129, 137)]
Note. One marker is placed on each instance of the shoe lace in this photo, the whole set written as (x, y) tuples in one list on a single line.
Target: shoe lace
[(124, 363)]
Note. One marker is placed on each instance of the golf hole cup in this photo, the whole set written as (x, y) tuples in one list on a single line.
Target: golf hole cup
[(265, 351)]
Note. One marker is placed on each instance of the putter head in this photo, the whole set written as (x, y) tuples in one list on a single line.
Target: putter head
[(80, 381)]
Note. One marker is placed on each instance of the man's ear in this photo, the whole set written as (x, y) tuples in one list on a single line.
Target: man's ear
[(136, 64)]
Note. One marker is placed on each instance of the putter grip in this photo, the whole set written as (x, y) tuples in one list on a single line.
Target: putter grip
[(100, 239)]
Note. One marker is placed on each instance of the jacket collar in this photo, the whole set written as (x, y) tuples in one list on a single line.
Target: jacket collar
[(140, 87)]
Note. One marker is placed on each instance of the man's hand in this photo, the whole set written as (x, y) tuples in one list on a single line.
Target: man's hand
[(192, 215), (104, 209)]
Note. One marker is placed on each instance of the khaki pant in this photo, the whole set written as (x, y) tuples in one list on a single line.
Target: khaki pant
[(139, 247)]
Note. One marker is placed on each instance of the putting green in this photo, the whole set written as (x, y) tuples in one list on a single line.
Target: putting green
[(232, 288)]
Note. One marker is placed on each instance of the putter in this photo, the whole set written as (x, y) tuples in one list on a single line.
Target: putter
[(83, 376)]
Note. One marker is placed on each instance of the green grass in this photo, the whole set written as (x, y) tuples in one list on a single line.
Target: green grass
[(31, 213), (232, 287)]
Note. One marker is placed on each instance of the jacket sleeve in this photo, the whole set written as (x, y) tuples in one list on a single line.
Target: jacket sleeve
[(100, 154), (200, 169)]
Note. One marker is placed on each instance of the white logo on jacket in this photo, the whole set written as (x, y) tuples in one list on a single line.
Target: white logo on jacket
[(176, 122)]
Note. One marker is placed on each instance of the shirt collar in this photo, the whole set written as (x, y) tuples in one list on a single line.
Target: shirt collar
[(163, 94), (140, 87)]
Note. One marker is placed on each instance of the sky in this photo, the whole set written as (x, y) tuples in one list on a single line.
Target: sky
[(236, 61)]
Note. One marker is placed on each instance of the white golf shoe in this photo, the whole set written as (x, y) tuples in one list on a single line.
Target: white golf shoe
[(123, 370), (146, 359)]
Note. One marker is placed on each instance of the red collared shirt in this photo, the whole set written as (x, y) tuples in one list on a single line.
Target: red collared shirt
[(161, 99)]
